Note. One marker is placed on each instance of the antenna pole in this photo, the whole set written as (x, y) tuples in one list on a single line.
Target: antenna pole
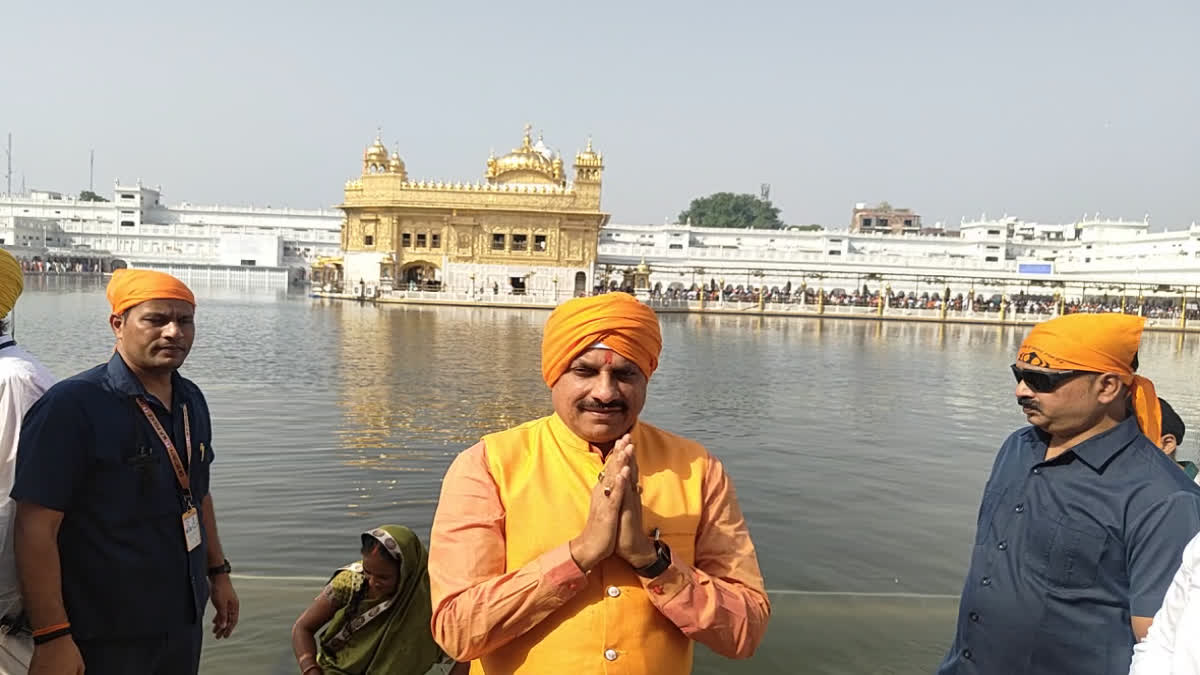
[(8, 172)]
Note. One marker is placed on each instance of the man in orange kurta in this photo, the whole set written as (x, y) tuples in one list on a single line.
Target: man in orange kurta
[(590, 541)]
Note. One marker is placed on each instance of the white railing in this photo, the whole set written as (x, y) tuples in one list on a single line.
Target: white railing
[(451, 297)]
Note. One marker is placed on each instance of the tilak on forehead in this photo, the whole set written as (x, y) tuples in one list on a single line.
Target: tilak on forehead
[(1097, 343), (613, 321)]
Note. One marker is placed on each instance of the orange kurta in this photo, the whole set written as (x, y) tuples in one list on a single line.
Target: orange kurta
[(507, 593)]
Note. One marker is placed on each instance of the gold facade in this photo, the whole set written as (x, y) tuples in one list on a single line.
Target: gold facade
[(523, 214)]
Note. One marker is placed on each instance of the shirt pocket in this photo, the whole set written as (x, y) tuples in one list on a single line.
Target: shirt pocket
[(132, 487), (1065, 551)]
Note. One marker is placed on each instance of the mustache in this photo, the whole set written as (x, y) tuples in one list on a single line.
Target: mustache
[(599, 406), (1028, 402)]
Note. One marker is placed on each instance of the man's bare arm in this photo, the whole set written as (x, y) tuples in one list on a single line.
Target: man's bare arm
[(38, 567)]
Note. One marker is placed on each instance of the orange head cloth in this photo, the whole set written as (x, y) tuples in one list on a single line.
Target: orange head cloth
[(617, 319), (133, 287), (1099, 343)]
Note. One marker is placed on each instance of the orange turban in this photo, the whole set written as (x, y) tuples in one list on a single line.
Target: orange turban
[(133, 287), (617, 319), (1098, 343)]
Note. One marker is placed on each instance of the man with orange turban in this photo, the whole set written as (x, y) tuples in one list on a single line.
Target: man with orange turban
[(116, 535), (1084, 520), (589, 541)]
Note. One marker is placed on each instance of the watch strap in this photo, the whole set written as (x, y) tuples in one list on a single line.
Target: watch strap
[(223, 568), (658, 566)]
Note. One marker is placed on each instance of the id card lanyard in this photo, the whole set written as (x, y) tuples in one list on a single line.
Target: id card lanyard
[(191, 520)]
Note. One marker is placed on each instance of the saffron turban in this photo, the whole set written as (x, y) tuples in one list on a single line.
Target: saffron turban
[(133, 287), (617, 319), (1098, 343), (12, 282)]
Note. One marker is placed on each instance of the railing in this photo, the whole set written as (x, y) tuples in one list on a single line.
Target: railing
[(450, 297)]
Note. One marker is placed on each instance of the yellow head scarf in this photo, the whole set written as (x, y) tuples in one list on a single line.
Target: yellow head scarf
[(1098, 343), (12, 282)]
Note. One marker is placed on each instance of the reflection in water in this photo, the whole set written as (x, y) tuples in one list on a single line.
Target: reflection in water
[(859, 449)]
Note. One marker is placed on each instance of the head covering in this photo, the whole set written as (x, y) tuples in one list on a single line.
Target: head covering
[(396, 639), (11, 282), (617, 319), (1172, 423), (128, 288), (1098, 343)]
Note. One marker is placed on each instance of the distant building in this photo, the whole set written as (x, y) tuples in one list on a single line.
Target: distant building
[(525, 230), (883, 219)]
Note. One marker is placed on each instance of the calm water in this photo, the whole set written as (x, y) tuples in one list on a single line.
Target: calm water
[(859, 449)]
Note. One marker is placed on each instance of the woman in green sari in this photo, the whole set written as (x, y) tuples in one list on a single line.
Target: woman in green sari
[(376, 614)]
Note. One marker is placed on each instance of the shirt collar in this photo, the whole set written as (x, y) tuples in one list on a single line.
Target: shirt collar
[(1098, 450), (122, 380)]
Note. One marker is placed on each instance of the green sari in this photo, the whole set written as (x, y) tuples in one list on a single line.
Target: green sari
[(389, 635)]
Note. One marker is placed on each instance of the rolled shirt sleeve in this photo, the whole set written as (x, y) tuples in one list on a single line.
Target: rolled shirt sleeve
[(1156, 546)]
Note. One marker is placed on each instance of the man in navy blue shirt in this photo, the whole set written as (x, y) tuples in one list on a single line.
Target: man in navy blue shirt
[(1084, 519), (116, 537)]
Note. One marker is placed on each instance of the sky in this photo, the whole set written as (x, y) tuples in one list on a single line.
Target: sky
[(1046, 110)]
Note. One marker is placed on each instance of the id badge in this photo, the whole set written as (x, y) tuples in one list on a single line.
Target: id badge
[(191, 529)]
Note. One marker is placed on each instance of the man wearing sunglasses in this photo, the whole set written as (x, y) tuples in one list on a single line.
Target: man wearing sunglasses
[(1084, 519)]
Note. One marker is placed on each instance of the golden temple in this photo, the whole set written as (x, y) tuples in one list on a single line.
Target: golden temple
[(523, 229)]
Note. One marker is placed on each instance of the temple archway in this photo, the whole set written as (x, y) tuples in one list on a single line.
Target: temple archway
[(420, 275)]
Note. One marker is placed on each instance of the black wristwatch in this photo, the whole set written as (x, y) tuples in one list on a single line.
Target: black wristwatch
[(223, 568), (658, 566)]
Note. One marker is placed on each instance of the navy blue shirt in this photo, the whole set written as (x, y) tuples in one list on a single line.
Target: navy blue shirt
[(1067, 550), (87, 450)]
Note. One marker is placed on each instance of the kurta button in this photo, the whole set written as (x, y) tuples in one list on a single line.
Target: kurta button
[(1037, 472), (1003, 546), (986, 581), (610, 654), (613, 591), (974, 617), (967, 654), (1019, 508)]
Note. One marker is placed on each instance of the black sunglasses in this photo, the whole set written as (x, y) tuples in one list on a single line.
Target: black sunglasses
[(1044, 382)]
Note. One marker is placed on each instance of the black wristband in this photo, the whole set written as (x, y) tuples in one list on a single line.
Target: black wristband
[(660, 564), (223, 568), (43, 639)]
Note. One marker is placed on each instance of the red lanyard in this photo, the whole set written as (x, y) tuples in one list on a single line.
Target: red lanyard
[(185, 483)]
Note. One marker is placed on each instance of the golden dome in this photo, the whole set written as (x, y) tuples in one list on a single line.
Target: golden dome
[(395, 164), (376, 151), (589, 156), (526, 164)]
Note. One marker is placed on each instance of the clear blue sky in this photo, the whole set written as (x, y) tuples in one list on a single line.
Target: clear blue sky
[(1043, 109)]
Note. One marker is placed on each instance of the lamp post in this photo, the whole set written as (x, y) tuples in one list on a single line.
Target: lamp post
[(555, 282)]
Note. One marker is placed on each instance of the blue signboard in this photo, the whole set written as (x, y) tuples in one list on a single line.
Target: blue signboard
[(1035, 268)]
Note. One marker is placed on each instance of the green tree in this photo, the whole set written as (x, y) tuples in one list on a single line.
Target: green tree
[(726, 209), (89, 196)]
